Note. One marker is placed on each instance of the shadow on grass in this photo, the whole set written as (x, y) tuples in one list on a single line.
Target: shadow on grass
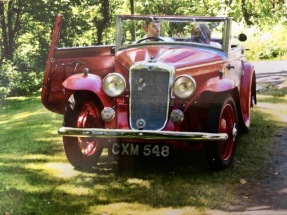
[(36, 175), (264, 192)]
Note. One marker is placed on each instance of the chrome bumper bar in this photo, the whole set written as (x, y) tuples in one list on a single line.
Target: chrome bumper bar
[(141, 134)]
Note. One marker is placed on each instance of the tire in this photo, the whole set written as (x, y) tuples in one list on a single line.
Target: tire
[(222, 118), (82, 152)]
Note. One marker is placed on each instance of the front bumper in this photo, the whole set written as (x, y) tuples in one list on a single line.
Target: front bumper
[(141, 134)]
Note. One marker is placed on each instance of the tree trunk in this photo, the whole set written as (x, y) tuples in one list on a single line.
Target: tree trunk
[(4, 41), (10, 25), (104, 21), (133, 31), (246, 14), (132, 6)]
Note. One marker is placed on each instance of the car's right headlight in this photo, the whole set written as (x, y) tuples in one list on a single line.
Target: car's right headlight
[(184, 86), (114, 84)]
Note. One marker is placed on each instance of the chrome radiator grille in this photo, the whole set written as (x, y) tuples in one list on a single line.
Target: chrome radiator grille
[(149, 98)]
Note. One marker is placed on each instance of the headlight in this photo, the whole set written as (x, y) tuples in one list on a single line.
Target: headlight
[(114, 84), (184, 86)]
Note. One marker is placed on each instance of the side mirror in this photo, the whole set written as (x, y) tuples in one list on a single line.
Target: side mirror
[(242, 37)]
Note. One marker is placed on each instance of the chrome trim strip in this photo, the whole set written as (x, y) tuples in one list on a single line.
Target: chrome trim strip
[(141, 134), (200, 65)]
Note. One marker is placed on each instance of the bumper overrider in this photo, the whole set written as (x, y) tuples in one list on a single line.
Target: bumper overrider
[(141, 134)]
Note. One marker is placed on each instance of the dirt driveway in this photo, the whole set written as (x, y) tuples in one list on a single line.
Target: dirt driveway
[(267, 196), (271, 73)]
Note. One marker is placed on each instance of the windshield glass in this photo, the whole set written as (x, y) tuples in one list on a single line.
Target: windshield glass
[(141, 29)]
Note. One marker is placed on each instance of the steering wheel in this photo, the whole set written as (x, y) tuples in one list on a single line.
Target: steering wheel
[(150, 38)]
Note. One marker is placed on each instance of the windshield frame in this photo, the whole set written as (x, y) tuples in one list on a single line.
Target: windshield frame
[(194, 19)]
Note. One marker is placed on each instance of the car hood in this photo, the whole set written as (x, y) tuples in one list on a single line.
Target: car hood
[(177, 56)]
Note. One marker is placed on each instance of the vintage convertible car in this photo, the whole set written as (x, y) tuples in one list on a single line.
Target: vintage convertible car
[(151, 96)]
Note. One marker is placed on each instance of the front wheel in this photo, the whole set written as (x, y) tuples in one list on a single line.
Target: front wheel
[(222, 118), (82, 152)]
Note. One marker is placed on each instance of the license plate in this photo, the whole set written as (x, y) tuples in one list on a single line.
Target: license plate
[(147, 150)]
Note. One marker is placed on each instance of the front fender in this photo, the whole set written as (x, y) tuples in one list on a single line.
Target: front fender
[(247, 91), (217, 85), (208, 91), (89, 82)]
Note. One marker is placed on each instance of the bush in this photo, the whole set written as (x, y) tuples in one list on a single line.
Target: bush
[(15, 82), (266, 43)]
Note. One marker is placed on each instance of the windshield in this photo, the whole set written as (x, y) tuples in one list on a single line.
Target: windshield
[(133, 30)]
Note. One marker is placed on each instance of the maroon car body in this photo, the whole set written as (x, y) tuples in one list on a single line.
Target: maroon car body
[(149, 98)]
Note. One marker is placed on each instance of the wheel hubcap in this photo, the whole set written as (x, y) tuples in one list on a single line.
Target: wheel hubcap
[(227, 125), (88, 118)]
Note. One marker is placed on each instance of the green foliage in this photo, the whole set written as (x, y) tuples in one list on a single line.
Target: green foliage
[(267, 42), (273, 91), (91, 22), (18, 81)]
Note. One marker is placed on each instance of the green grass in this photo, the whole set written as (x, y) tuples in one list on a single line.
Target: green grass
[(35, 177)]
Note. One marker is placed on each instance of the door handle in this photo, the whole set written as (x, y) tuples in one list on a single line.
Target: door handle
[(229, 67)]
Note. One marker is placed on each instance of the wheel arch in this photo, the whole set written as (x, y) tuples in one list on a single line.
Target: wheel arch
[(207, 98), (243, 127), (82, 156), (216, 88), (222, 117), (88, 95), (247, 95), (211, 90), (88, 85)]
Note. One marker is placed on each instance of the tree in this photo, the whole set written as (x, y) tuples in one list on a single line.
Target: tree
[(102, 21), (25, 25), (10, 25), (132, 3)]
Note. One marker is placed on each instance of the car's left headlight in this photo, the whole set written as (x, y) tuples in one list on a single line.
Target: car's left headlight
[(114, 84), (184, 86)]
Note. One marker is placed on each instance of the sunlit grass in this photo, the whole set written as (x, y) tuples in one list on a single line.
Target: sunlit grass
[(35, 173), (141, 209), (139, 182), (274, 106)]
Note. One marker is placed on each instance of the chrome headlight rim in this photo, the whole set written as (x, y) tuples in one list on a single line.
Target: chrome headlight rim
[(114, 84), (184, 86)]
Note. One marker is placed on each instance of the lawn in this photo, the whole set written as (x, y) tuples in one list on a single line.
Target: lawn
[(36, 178)]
